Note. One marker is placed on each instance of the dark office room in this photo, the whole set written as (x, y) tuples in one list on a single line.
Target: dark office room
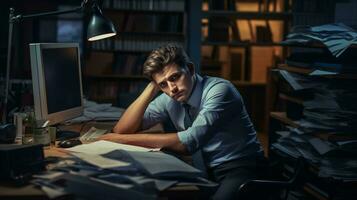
[(178, 99)]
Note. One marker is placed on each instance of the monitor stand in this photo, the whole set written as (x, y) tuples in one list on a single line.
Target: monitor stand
[(66, 134)]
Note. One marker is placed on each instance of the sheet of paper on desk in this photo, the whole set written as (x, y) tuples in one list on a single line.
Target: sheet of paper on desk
[(137, 181), (52, 191), (91, 188), (102, 147), (157, 164), (322, 73), (100, 161)]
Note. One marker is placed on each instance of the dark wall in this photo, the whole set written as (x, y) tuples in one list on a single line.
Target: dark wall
[(24, 32)]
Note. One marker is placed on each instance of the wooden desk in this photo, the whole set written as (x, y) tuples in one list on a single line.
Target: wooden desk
[(85, 126), (29, 191), (106, 125)]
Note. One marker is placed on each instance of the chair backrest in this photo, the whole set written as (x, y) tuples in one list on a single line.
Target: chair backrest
[(272, 189)]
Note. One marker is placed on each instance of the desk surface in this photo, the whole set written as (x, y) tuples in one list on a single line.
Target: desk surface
[(10, 191), (29, 191)]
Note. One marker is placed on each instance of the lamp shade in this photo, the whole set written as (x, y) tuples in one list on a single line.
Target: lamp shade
[(99, 27)]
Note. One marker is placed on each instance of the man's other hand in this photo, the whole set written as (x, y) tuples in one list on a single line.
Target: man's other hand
[(113, 137)]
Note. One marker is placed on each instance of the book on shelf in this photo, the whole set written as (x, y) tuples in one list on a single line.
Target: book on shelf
[(210, 67), (130, 22), (268, 5), (237, 59), (251, 31), (105, 89), (129, 63), (99, 63), (263, 33), (218, 27), (231, 4), (261, 59), (235, 31)]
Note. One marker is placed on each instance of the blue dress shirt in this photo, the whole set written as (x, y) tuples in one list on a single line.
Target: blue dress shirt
[(221, 128)]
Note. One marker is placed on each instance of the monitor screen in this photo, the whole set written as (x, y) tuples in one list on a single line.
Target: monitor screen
[(56, 79)]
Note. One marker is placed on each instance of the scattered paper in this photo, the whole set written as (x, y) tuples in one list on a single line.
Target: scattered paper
[(100, 161), (321, 146), (103, 147), (322, 73), (158, 164)]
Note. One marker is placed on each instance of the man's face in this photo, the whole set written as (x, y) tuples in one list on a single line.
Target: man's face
[(175, 81)]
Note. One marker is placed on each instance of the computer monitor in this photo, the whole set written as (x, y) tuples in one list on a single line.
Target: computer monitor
[(56, 80)]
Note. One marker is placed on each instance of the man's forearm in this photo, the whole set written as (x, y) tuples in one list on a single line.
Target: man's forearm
[(130, 121), (169, 141)]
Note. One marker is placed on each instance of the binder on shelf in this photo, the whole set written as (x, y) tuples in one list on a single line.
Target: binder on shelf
[(238, 64), (264, 34)]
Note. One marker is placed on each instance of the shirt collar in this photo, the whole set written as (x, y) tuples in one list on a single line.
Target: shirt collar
[(195, 97)]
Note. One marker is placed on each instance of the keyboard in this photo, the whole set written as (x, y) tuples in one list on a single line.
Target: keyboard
[(92, 134)]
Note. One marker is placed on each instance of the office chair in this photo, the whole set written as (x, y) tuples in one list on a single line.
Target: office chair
[(272, 189)]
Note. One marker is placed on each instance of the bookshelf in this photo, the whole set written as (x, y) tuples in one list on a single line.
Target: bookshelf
[(114, 66), (240, 41)]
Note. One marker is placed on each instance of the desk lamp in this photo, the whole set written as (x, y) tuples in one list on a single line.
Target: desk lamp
[(99, 27)]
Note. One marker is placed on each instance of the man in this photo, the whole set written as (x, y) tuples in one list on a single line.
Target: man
[(208, 113)]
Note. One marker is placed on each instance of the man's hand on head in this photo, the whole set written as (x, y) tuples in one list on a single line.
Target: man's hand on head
[(154, 86)]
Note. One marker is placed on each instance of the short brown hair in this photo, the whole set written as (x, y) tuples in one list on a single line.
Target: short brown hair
[(163, 56)]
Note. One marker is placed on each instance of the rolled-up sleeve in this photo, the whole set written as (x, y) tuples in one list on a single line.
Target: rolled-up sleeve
[(155, 112), (221, 102)]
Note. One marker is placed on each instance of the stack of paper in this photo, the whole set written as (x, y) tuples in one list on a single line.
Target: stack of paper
[(336, 37), (111, 170)]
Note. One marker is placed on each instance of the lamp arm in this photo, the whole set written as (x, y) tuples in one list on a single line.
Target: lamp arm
[(13, 19), (59, 12), (8, 63)]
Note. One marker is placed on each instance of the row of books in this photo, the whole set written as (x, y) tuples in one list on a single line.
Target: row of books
[(149, 23), (155, 5), (129, 64), (111, 89), (312, 12), (313, 6), (313, 19), (246, 6), (154, 23), (145, 43), (240, 69), (238, 31)]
